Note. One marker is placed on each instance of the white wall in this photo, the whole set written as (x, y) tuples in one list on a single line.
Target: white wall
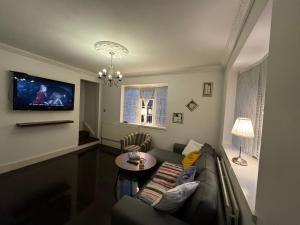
[(277, 199), (241, 176), (251, 47), (202, 125), (17, 144), (278, 193), (228, 101)]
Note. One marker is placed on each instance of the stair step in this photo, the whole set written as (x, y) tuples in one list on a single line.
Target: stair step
[(84, 134), (87, 140)]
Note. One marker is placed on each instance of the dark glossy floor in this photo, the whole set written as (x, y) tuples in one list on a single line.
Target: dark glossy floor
[(74, 189), (99, 212)]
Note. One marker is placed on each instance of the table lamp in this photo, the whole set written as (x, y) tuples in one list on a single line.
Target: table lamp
[(242, 128)]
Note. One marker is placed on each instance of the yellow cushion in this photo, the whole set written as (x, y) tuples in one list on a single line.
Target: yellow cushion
[(191, 158)]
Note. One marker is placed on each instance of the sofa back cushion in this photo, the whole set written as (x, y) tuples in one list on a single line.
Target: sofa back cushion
[(207, 148), (206, 161), (202, 206), (166, 156)]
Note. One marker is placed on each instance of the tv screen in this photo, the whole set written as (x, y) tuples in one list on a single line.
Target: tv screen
[(36, 93)]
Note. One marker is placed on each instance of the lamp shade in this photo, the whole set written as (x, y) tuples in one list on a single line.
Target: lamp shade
[(243, 128)]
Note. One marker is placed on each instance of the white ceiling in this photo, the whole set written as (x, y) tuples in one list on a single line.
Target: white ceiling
[(257, 44), (161, 35)]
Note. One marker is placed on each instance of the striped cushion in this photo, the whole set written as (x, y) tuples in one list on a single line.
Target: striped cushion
[(139, 138), (131, 148), (163, 180), (130, 139)]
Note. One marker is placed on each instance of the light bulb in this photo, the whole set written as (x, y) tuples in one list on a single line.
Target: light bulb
[(120, 76), (110, 77), (104, 71), (100, 74), (118, 73)]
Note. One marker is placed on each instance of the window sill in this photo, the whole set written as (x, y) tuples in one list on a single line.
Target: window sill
[(246, 175), (144, 126)]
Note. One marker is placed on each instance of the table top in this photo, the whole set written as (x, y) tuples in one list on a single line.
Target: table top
[(121, 162)]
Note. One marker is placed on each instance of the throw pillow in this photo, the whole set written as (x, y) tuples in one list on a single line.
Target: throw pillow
[(188, 175), (190, 159), (174, 198), (164, 179), (191, 147)]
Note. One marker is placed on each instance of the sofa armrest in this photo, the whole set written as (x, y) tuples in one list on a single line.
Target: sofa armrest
[(178, 148), (131, 211), (123, 142)]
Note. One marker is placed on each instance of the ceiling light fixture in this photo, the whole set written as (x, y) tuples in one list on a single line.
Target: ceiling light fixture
[(112, 50)]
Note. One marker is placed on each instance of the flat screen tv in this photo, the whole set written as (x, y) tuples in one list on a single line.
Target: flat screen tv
[(36, 93)]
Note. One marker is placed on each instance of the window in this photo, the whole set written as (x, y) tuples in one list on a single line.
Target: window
[(144, 105), (250, 99), (146, 111)]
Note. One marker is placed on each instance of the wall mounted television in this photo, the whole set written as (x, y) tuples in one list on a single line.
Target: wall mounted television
[(37, 93)]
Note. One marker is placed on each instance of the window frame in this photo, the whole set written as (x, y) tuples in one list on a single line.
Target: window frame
[(153, 114), (140, 124)]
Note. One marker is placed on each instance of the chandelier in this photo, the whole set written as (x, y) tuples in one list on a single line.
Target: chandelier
[(110, 49)]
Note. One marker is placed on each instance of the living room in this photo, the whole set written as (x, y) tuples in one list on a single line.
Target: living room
[(83, 83)]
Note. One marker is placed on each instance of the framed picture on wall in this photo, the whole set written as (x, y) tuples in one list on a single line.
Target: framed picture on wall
[(177, 118), (192, 105), (207, 89)]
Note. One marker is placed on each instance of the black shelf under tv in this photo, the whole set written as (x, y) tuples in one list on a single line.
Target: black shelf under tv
[(43, 123)]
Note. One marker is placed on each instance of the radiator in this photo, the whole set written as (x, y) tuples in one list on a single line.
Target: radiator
[(231, 208)]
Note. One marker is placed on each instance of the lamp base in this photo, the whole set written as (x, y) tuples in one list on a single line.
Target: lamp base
[(239, 161)]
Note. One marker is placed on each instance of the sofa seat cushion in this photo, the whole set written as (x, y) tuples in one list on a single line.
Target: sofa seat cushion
[(166, 156), (174, 198), (131, 211), (163, 180), (202, 206), (132, 148)]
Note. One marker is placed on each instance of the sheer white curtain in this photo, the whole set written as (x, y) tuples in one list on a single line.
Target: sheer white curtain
[(131, 105), (147, 93), (260, 108), (161, 106), (250, 98)]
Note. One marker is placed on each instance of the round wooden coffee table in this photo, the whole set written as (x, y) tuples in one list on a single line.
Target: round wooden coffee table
[(121, 162), (132, 174)]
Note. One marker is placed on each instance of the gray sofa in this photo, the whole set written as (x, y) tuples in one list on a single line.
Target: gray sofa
[(204, 207)]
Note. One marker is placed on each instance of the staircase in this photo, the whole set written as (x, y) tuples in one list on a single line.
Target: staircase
[(85, 138)]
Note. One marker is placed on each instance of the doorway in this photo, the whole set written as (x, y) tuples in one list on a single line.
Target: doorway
[(89, 112)]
